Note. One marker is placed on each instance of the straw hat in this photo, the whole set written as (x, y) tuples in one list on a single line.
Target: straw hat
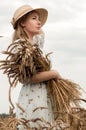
[(21, 11)]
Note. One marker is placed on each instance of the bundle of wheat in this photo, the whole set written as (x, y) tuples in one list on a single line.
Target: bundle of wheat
[(25, 60), (64, 96)]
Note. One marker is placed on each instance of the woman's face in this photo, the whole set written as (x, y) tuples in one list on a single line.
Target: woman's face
[(32, 23)]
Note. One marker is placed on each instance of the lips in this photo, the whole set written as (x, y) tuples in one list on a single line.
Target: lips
[(38, 27)]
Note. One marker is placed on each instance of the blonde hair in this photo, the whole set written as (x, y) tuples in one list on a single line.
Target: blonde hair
[(19, 33)]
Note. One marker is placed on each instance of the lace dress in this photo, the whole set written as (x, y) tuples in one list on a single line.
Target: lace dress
[(35, 103)]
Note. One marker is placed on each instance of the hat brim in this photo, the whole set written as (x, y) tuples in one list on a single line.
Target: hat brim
[(43, 13)]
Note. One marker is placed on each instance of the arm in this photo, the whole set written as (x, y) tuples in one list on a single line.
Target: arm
[(44, 76)]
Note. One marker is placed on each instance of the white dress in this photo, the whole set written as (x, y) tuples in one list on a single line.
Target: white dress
[(34, 101)]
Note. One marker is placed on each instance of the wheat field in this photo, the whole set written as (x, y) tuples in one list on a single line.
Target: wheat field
[(10, 122)]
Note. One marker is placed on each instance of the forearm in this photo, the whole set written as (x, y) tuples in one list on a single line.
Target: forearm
[(44, 76)]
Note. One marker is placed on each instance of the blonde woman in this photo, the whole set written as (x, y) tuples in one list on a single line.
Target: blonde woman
[(33, 99)]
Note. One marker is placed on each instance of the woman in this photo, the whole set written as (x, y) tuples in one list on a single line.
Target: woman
[(33, 97)]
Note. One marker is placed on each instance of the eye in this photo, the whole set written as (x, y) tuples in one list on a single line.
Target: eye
[(34, 17)]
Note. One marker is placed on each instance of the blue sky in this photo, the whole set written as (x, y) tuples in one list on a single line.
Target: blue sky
[(65, 36)]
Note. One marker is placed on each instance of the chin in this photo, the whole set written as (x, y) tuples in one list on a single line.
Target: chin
[(38, 32)]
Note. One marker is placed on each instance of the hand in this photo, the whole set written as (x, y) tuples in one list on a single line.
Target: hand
[(56, 75)]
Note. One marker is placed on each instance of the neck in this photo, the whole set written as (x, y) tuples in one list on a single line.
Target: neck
[(30, 37)]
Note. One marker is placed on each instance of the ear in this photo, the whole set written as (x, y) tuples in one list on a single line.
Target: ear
[(22, 24)]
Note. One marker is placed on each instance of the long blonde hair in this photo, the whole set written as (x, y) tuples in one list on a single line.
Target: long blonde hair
[(19, 33)]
